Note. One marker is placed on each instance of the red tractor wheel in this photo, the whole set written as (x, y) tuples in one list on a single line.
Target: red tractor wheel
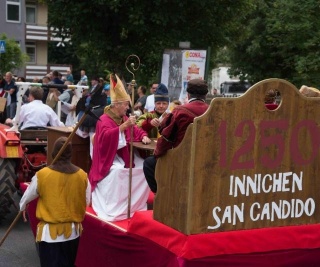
[(7, 185)]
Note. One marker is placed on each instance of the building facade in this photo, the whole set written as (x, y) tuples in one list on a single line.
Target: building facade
[(26, 22)]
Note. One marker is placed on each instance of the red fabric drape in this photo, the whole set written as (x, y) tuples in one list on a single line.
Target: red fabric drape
[(143, 242)]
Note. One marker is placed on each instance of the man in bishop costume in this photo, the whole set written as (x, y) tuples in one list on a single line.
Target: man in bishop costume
[(109, 173)]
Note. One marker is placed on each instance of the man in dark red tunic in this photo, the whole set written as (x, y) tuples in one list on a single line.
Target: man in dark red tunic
[(174, 126)]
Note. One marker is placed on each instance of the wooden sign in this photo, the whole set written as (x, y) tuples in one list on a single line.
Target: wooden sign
[(242, 166), (3, 102)]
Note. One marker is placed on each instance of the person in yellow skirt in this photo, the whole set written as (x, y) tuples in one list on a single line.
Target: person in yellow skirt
[(64, 192)]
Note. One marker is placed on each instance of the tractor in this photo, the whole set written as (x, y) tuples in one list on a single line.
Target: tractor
[(11, 153), (22, 152)]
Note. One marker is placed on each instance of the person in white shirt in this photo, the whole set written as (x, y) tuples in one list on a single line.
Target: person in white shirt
[(149, 106), (35, 113)]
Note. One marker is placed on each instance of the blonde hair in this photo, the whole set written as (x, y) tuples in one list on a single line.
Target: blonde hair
[(309, 91)]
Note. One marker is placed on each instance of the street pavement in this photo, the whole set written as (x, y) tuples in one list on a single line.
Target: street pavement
[(19, 248)]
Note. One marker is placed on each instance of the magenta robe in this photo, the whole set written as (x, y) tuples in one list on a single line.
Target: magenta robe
[(105, 147)]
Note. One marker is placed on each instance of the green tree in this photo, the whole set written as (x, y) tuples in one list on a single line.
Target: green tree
[(281, 40), (13, 58), (105, 32)]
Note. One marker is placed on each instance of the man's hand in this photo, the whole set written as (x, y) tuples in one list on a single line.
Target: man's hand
[(129, 122), (8, 121), (24, 215), (155, 122), (146, 140), (137, 106)]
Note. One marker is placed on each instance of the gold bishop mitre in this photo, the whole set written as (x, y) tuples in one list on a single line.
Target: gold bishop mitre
[(117, 91)]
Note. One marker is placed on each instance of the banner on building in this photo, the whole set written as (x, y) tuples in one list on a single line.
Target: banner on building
[(179, 67)]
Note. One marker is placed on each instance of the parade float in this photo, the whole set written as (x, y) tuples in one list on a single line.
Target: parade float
[(240, 190)]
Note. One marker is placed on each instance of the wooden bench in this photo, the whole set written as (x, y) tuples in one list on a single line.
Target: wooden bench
[(34, 137)]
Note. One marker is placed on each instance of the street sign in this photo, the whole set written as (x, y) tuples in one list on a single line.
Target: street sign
[(2, 46)]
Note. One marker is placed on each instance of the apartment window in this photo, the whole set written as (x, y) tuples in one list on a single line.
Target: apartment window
[(31, 51), (31, 14), (13, 10)]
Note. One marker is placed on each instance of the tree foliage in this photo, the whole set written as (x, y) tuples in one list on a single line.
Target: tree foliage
[(281, 40), (13, 58), (104, 33)]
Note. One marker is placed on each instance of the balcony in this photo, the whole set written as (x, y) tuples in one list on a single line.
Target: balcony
[(36, 33), (41, 33), (32, 71)]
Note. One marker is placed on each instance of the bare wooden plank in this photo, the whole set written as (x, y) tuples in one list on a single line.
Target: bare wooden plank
[(34, 143), (34, 134)]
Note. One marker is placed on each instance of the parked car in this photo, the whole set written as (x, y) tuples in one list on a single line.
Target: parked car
[(234, 88)]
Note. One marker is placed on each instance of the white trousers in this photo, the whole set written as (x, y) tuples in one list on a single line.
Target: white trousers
[(110, 197)]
